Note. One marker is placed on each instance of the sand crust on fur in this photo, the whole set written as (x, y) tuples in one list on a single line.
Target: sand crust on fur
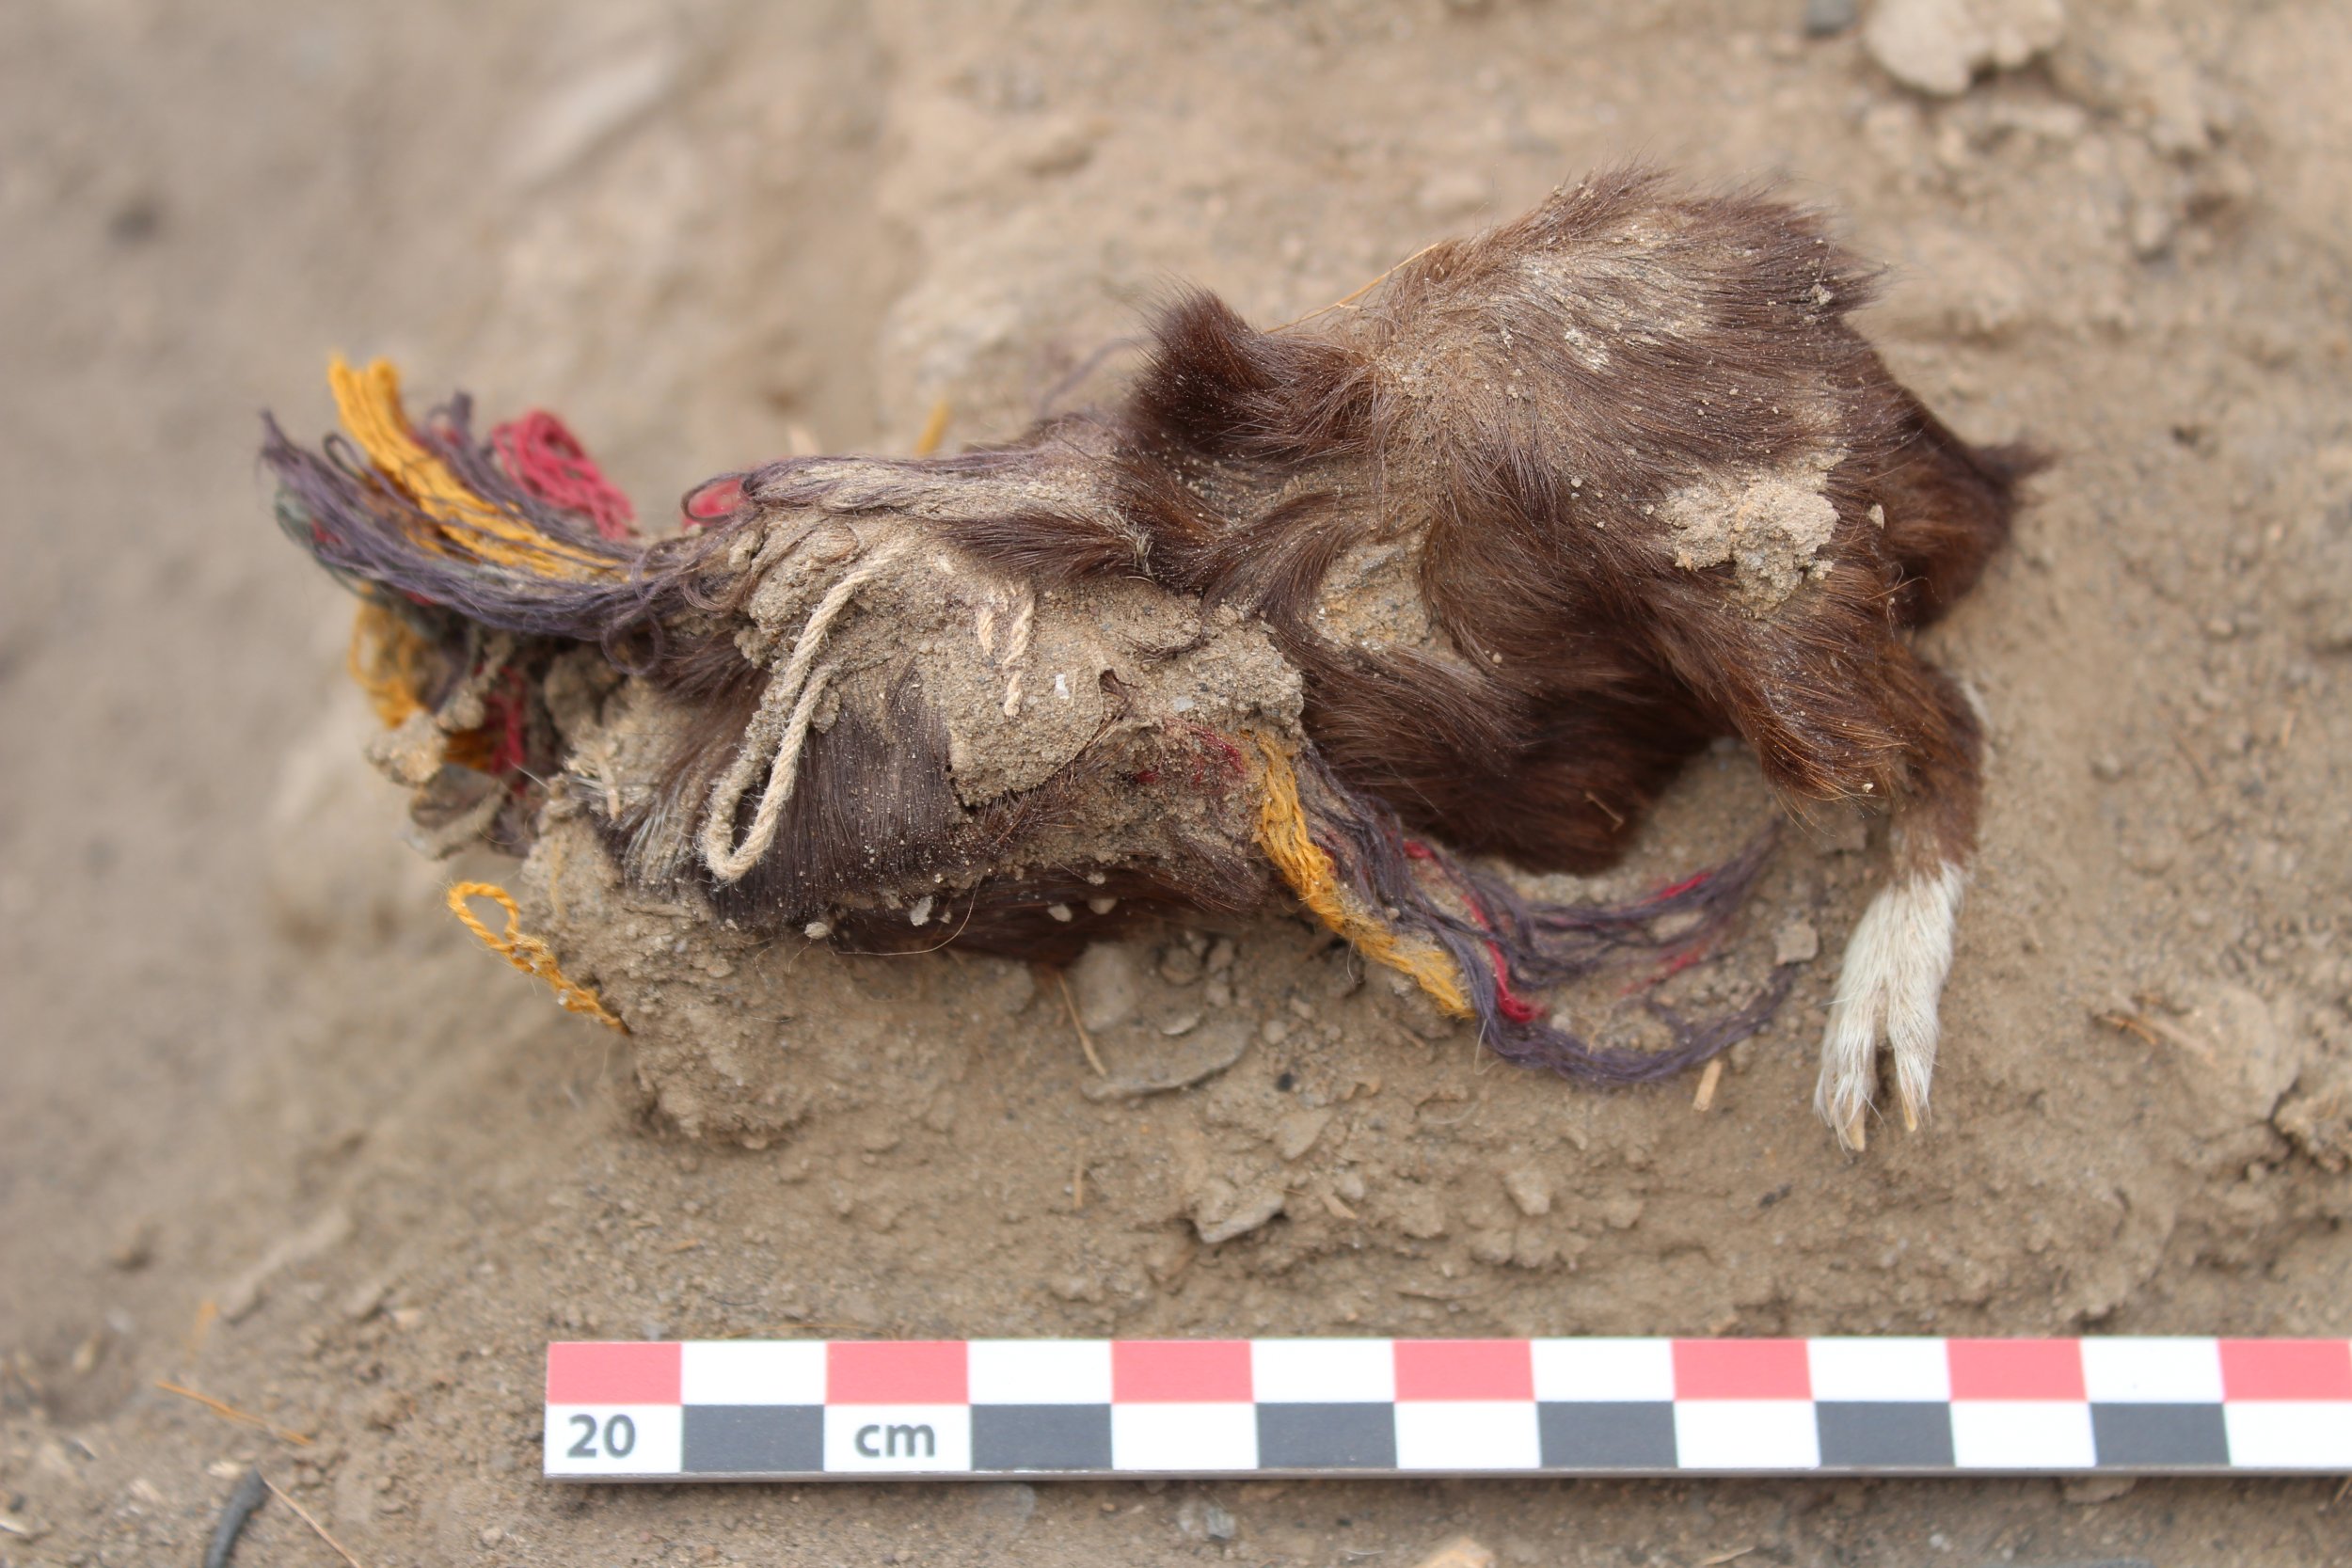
[(1767, 525)]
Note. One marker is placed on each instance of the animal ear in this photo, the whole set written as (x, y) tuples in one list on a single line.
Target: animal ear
[(1219, 389)]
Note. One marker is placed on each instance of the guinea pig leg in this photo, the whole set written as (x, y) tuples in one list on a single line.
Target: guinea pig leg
[(1839, 709), (1892, 979)]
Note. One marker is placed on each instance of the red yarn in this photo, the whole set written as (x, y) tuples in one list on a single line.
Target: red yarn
[(712, 499), (1507, 1001), (1683, 886), (546, 460)]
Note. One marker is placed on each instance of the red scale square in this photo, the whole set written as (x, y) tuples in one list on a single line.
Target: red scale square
[(896, 1372), (2016, 1369), (1180, 1372), (596, 1372), (1465, 1370), (1742, 1370), (2287, 1369)]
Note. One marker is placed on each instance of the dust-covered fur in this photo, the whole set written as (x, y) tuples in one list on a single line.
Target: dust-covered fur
[(1516, 533)]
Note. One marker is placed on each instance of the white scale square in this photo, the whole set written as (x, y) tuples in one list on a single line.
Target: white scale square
[(1467, 1435), (1616, 1370), (1876, 1371), (615, 1439), (1039, 1371), (751, 1372), (2152, 1371), (1181, 1438), (2022, 1435), (1322, 1371), (1746, 1435), (898, 1439)]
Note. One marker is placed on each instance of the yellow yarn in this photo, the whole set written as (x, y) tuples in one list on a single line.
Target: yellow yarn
[(368, 402), (528, 954), (935, 429), (1304, 865), (384, 654)]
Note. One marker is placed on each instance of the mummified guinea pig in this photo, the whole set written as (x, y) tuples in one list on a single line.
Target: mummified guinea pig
[(1466, 566)]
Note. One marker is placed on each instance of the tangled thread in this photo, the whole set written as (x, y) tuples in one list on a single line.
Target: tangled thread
[(543, 457), (368, 402), (387, 661)]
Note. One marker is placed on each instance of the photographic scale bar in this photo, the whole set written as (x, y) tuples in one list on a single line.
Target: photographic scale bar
[(944, 1409)]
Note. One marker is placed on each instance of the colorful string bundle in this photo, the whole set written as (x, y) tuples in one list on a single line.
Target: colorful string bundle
[(1472, 944), (439, 491), (476, 560)]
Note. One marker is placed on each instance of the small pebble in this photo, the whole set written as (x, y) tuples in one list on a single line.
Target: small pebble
[(1530, 1189), (1796, 942), (1204, 1520), (1296, 1132), (1105, 984), (1828, 18), (1218, 1215), (138, 1247), (1461, 1552), (1937, 46), (364, 1300)]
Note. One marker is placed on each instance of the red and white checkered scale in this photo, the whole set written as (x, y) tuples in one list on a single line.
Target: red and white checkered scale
[(818, 1410)]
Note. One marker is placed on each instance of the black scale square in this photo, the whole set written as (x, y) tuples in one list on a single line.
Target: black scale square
[(1884, 1434), (1040, 1437), (753, 1439), (1336, 1436), (1607, 1434), (2160, 1434)]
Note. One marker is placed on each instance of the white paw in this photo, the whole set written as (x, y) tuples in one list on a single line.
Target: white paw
[(1896, 963)]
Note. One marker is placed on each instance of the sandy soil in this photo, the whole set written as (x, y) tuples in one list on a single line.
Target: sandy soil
[(253, 1065)]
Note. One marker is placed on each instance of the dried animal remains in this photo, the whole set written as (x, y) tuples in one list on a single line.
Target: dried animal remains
[(1340, 612)]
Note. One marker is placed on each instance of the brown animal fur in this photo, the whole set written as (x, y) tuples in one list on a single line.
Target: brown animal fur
[(1560, 427), (1518, 405)]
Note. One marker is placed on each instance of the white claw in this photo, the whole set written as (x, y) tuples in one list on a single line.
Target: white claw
[(1894, 972)]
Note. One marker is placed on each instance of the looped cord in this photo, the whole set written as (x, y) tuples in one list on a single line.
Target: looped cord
[(785, 711), (528, 954)]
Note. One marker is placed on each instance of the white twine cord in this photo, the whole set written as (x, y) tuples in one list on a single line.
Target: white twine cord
[(1023, 622), (791, 692), (1017, 648)]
